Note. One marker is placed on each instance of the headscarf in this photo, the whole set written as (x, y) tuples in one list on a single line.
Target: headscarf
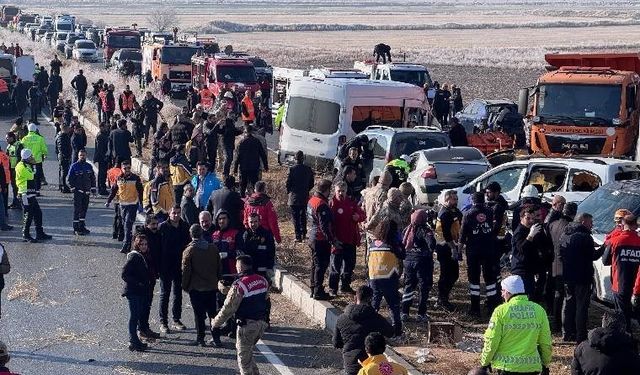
[(418, 219)]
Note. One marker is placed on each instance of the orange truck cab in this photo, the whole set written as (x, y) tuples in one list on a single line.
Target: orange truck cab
[(587, 104), (221, 72), (172, 59), (118, 38)]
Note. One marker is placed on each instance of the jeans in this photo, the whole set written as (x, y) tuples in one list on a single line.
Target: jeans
[(228, 158), (320, 257), (299, 215), (100, 113), (168, 282), (137, 306), (144, 319), (128, 214), (247, 180), (388, 288), (103, 166), (575, 310), (204, 305), (418, 271), (342, 265), (81, 98), (449, 272), (34, 113)]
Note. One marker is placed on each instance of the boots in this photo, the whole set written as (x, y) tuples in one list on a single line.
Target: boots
[(474, 311), (26, 237), (41, 235), (76, 229), (83, 228)]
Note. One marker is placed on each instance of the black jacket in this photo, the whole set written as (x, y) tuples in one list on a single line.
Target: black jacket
[(299, 184), (181, 132), (525, 256), (20, 92), (135, 274), (101, 147), (63, 146), (151, 107), (79, 83), (210, 131), (261, 246), (230, 201), (174, 241), (250, 153), (606, 352), (189, 211), (78, 142), (556, 230), (458, 136), (477, 230), (352, 327), (119, 140), (577, 254), (229, 133)]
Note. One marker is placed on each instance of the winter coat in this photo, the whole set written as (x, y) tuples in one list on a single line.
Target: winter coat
[(189, 211), (200, 266), (606, 352), (79, 82), (261, 204), (249, 155), (229, 133), (556, 230), (135, 274), (352, 327), (347, 230), (525, 256), (174, 241), (210, 184), (458, 136), (299, 184), (230, 201), (151, 107), (63, 148), (260, 245), (78, 142), (119, 140), (577, 254), (101, 147)]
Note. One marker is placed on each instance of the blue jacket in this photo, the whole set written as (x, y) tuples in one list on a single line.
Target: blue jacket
[(211, 184), (81, 177)]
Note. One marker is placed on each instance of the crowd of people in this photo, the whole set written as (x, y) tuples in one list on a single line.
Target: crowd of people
[(216, 237)]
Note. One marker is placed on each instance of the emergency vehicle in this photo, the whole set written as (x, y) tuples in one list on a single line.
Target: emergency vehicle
[(172, 59), (118, 38), (415, 74), (220, 72)]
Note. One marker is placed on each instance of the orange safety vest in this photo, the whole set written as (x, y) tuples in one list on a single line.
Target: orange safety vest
[(206, 98), (127, 101), (4, 160), (3, 86), (248, 103)]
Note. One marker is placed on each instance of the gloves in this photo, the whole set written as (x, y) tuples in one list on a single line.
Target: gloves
[(534, 231)]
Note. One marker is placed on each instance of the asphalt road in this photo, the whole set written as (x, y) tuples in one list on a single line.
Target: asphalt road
[(63, 312)]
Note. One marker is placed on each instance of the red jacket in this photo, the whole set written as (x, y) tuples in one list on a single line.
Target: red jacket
[(624, 255), (261, 204), (345, 227)]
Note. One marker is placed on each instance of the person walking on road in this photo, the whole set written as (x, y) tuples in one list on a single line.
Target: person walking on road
[(229, 133), (321, 237), (200, 275), (152, 107), (26, 181), (154, 244), (526, 242), (205, 182), (180, 172), (128, 188), (299, 184), (609, 350), (354, 325), (64, 151), (119, 140), (258, 243), (248, 157), (38, 147), (377, 363), (82, 182), (135, 274), (447, 233), (518, 338), (55, 64), (126, 101), (175, 237), (100, 157), (247, 301), (34, 103)]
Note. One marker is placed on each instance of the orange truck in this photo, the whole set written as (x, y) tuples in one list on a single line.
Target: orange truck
[(586, 104), (172, 60)]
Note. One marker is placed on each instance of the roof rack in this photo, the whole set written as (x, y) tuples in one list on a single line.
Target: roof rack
[(381, 127)]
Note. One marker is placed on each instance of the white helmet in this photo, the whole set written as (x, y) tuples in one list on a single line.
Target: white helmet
[(228, 95), (529, 191)]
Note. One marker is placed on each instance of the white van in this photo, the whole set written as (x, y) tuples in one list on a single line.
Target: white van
[(321, 115), (415, 74), (280, 86)]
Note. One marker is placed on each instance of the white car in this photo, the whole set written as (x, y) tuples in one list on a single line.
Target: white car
[(84, 50), (574, 179)]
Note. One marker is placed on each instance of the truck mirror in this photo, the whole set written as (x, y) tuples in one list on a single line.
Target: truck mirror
[(523, 101)]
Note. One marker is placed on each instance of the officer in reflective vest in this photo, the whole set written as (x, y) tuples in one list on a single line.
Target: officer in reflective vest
[(248, 111), (26, 181), (247, 299), (126, 100)]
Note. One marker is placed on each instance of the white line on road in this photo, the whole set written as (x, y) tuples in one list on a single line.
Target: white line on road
[(273, 358)]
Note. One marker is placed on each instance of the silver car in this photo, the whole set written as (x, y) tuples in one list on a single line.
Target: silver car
[(437, 169)]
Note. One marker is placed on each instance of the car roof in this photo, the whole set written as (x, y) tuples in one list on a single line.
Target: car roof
[(575, 162), (495, 101), (628, 186), (417, 129)]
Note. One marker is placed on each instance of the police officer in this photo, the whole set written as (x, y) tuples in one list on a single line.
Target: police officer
[(261, 246), (25, 179), (399, 169), (82, 181), (247, 299), (447, 236), (477, 236), (64, 152)]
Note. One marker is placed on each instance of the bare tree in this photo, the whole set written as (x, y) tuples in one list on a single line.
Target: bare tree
[(163, 19)]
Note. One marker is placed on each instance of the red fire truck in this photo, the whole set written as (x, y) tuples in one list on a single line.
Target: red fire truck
[(118, 38), (221, 72)]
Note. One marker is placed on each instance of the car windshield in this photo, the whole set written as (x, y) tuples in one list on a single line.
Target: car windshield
[(604, 202), (239, 74), (408, 143), (177, 55), (130, 55), (86, 45), (123, 41), (414, 77), (61, 36), (454, 154), (581, 104), (64, 26)]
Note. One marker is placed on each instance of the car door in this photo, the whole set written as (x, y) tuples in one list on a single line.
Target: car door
[(510, 179), (549, 179), (380, 143)]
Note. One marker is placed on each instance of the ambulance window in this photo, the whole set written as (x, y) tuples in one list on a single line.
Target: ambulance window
[(583, 181), (311, 115), (550, 179)]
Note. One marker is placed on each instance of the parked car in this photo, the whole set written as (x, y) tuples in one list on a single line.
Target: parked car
[(85, 50), (59, 40), (46, 39), (437, 169), (70, 43), (391, 143), (574, 178), (121, 56), (602, 204), (483, 114)]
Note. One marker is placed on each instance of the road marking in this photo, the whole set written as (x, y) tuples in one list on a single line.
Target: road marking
[(273, 358)]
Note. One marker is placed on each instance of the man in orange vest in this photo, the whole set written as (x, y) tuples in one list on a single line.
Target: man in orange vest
[(206, 98), (248, 111), (125, 101)]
